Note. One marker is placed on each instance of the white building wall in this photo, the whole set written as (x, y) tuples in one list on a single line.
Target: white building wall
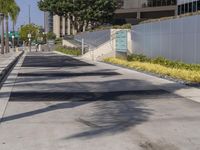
[(175, 39)]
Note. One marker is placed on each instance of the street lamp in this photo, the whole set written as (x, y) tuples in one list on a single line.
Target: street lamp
[(44, 36), (13, 42), (29, 39)]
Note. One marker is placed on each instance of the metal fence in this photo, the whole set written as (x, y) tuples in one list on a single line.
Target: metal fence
[(176, 39)]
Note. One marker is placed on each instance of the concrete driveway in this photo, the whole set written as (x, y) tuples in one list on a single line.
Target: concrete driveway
[(62, 103)]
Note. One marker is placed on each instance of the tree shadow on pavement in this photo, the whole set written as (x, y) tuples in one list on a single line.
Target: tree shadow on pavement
[(111, 118), (50, 108), (53, 61)]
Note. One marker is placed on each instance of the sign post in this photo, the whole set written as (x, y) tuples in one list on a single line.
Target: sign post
[(13, 42)]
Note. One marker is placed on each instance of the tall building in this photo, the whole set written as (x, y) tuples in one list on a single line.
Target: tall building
[(134, 10), (48, 22)]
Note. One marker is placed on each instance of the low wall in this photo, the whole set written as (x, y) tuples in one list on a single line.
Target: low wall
[(175, 39)]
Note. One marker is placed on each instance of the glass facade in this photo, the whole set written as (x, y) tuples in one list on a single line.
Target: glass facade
[(146, 3), (189, 7)]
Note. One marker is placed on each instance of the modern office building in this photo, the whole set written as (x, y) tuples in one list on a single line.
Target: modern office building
[(188, 6), (48, 22), (133, 11)]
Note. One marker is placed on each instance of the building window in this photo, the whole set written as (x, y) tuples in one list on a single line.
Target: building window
[(186, 8), (198, 5), (190, 6), (179, 10), (194, 6), (182, 9)]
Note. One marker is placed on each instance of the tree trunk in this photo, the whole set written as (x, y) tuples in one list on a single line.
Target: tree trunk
[(7, 36), (13, 27), (2, 36)]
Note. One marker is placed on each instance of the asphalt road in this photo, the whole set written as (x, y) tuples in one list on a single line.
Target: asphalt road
[(62, 103)]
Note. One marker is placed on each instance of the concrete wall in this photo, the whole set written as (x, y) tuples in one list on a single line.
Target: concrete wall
[(102, 43), (68, 44), (176, 39), (101, 52), (94, 39)]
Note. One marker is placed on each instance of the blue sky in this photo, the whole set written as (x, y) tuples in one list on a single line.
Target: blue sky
[(37, 16)]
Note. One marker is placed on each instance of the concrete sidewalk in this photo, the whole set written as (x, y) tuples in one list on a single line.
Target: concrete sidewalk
[(59, 102), (191, 93), (7, 61)]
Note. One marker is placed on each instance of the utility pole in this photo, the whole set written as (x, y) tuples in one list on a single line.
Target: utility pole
[(29, 12), (45, 23)]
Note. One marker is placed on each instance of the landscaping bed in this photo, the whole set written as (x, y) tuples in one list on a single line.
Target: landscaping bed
[(173, 70), (69, 50)]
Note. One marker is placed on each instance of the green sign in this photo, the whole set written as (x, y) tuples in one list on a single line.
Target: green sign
[(121, 41), (10, 34)]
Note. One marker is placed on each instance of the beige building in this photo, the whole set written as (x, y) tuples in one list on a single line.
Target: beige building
[(62, 26)]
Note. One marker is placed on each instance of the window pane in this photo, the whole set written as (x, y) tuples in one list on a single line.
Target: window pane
[(194, 6), (190, 7), (198, 5)]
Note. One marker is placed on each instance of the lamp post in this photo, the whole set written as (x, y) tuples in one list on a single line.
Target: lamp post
[(13, 42), (29, 39), (44, 36)]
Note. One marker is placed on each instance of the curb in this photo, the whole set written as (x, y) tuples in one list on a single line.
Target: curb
[(7, 69)]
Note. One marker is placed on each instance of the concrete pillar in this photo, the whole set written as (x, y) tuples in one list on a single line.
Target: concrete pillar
[(68, 25), (56, 25), (138, 15), (73, 27), (63, 26)]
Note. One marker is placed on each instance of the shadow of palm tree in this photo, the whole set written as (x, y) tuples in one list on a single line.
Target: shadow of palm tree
[(112, 118)]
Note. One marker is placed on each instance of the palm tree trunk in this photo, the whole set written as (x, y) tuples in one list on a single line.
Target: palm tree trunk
[(14, 35), (2, 35), (7, 36)]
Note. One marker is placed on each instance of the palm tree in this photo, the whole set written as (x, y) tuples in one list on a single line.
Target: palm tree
[(2, 33), (2, 11), (8, 8), (14, 15)]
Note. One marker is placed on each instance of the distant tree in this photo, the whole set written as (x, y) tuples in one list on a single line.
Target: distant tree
[(81, 12), (51, 36), (32, 29)]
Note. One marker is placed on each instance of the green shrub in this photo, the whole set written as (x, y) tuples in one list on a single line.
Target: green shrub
[(51, 36), (164, 62), (183, 74), (69, 50), (58, 41), (125, 26)]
